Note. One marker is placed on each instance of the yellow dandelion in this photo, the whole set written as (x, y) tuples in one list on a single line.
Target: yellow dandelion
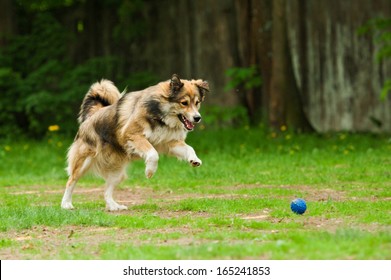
[(283, 128), (54, 127), (7, 148)]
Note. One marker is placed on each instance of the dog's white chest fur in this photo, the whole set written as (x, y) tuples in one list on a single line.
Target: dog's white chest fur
[(164, 134)]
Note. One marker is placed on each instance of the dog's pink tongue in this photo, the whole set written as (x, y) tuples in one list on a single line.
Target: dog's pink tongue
[(189, 125)]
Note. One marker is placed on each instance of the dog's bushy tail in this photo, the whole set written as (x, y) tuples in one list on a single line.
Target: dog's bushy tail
[(100, 94)]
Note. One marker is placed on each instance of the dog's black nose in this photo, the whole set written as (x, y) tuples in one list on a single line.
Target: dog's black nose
[(197, 119)]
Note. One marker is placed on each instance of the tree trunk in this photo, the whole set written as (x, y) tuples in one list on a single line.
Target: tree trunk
[(265, 51), (247, 56), (6, 21), (285, 101)]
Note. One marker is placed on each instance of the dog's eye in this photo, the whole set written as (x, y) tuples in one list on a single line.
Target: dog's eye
[(185, 103), (197, 103)]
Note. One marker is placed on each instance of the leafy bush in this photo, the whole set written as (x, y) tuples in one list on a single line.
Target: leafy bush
[(40, 86), (246, 77), (380, 29), (220, 117), (10, 108)]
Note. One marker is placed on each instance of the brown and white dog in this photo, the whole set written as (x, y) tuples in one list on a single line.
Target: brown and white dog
[(116, 129)]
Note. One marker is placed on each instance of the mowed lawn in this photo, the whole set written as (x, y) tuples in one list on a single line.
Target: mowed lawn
[(235, 206)]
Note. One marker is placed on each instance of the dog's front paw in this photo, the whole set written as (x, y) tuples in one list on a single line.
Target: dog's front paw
[(149, 172), (150, 169), (151, 163), (195, 162)]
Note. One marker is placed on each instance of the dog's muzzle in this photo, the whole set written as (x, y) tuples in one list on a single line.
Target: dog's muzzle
[(197, 118), (189, 125)]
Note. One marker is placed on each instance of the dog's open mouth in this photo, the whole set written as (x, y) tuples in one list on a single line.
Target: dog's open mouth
[(188, 124)]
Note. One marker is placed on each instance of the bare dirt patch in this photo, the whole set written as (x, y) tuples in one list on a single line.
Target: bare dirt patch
[(41, 242), (49, 240), (315, 194), (136, 195)]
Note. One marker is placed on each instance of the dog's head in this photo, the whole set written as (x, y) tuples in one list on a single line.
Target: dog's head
[(185, 98)]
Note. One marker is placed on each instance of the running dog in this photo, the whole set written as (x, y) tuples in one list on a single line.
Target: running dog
[(116, 129)]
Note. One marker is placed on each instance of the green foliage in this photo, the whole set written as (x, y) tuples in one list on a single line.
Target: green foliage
[(380, 29), (246, 77), (386, 89), (219, 117), (130, 14), (10, 107), (39, 84), (139, 80), (44, 5)]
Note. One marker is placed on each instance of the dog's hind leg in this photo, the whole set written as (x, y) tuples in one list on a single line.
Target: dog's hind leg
[(76, 169), (112, 180)]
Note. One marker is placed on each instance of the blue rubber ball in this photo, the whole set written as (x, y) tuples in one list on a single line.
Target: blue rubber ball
[(298, 206)]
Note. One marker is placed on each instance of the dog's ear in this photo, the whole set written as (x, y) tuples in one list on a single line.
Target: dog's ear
[(203, 87), (175, 84)]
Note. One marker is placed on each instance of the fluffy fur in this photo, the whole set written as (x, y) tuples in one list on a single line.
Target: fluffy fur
[(116, 129)]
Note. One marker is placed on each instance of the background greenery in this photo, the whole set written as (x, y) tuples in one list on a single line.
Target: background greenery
[(41, 84), (51, 51), (380, 28)]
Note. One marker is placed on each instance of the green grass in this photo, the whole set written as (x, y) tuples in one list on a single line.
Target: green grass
[(236, 206)]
